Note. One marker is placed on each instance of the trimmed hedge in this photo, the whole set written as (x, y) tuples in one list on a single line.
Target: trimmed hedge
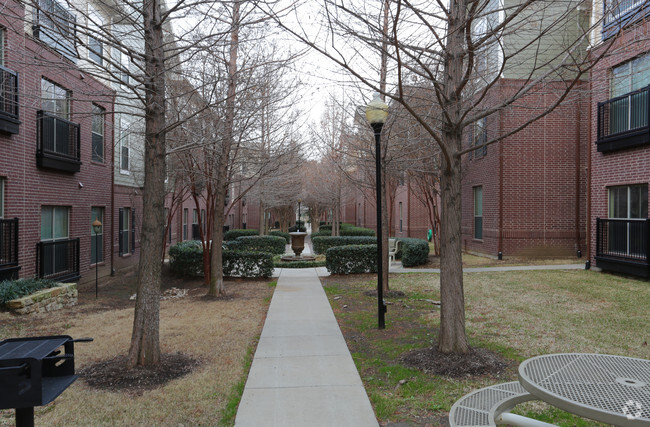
[(352, 259), (320, 233), (294, 228), (356, 231), (247, 264), (12, 289), (186, 258), (322, 243), (234, 234), (270, 244), (286, 236), (413, 251)]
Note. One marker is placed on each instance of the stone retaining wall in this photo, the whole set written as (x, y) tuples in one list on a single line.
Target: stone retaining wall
[(51, 299)]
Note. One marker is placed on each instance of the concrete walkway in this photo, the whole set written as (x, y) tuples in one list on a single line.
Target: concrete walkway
[(302, 373)]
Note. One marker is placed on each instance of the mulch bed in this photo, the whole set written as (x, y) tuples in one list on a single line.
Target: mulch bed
[(112, 375), (478, 361)]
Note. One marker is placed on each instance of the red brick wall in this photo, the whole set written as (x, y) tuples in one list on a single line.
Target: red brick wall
[(624, 167), (538, 174), (28, 188)]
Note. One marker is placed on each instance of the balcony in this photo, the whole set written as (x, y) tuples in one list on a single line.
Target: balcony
[(9, 249), (56, 27), (622, 245), (58, 260), (623, 121), (619, 13), (9, 122), (58, 143)]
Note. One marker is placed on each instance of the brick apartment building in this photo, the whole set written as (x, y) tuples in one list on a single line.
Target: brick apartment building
[(620, 140), (526, 195), (55, 151)]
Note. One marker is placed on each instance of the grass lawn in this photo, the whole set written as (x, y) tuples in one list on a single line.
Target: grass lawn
[(516, 314), (221, 334)]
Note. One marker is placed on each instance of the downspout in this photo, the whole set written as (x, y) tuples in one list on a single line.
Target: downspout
[(588, 237), (577, 210), (112, 246), (500, 241)]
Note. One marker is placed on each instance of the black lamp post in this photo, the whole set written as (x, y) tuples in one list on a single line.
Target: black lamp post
[(299, 201), (376, 114), (97, 228)]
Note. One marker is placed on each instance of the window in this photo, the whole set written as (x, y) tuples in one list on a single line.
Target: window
[(628, 206), (619, 13), (185, 223), (98, 133), (95, 47), (401, 218), (203, 220), (2, 197), (195, 225), (628, 201), (126, 231), (96, 239), (167, 225), (56, 27), (56, 99), (2, 46), (125, 144), (630, 112), (478, 137), (58, 255), (54, 223), (478, 213), (487, 56)]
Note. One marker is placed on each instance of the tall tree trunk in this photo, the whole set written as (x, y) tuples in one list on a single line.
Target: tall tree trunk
[(145, 339), (216, 274), (453, 338), (452, 309)]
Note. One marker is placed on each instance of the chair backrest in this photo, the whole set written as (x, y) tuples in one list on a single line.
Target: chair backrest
[(392, 245)]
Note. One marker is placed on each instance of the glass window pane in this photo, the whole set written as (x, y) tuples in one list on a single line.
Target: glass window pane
[(640, 72), (478, 201), (2, 197), (620, 80), (60, 222), (46, 223)]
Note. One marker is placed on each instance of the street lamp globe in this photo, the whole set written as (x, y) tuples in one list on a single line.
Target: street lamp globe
[(376, 110)]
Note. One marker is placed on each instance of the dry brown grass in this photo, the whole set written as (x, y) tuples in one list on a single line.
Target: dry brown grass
[(218, 332)]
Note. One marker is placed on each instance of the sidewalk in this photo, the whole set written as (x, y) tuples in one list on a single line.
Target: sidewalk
[(302, 372)]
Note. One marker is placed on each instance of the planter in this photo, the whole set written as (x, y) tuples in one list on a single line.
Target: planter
[(51, 299)]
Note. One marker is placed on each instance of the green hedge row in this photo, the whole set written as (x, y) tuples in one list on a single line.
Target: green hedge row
[(352, 259), (294, 228), (270, 244), (282, 234), (234, 234), (322, 243), (247, 264), (12, 289), (356, 231), (186, 258), (413, 252)]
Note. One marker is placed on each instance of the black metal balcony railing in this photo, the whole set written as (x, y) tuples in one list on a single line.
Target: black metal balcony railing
[(622, 245), (8, 93), (623, 121), (619, 13), (58, 260), (8, 243), (59, 143)]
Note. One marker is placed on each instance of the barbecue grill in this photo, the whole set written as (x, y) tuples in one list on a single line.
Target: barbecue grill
[(34, 371)]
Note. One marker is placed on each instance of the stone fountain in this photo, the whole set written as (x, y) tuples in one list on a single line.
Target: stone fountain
[(297, 245)]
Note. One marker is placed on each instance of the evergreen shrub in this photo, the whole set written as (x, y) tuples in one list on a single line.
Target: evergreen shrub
[(356, 231), (12, 289), (186, 258), (270, 244), (247, 264), (322, 243), (234, 234), (286, 236), (352, 259), (413, 251)]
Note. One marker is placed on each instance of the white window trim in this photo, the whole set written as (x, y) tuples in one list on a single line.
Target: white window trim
[(125, 137)]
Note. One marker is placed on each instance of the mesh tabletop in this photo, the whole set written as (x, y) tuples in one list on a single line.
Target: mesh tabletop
[(611, 389)]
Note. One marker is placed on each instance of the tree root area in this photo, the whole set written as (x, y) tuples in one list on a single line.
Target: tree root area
[(478, 361), (113, 375)]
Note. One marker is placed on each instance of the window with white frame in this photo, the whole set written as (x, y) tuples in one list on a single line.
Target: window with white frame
[(98, 133), (124, 143), (478, 213), (126, 218), (631, 112), (2, 197), (54, 223), (487, 56), (628, 209), (55, 99), (2, 46), (95, 45), (628, 201)]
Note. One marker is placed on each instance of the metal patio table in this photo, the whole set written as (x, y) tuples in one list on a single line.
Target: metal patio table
[(606, 388)]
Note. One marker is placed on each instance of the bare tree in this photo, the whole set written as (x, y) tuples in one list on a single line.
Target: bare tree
[(457, 55)]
